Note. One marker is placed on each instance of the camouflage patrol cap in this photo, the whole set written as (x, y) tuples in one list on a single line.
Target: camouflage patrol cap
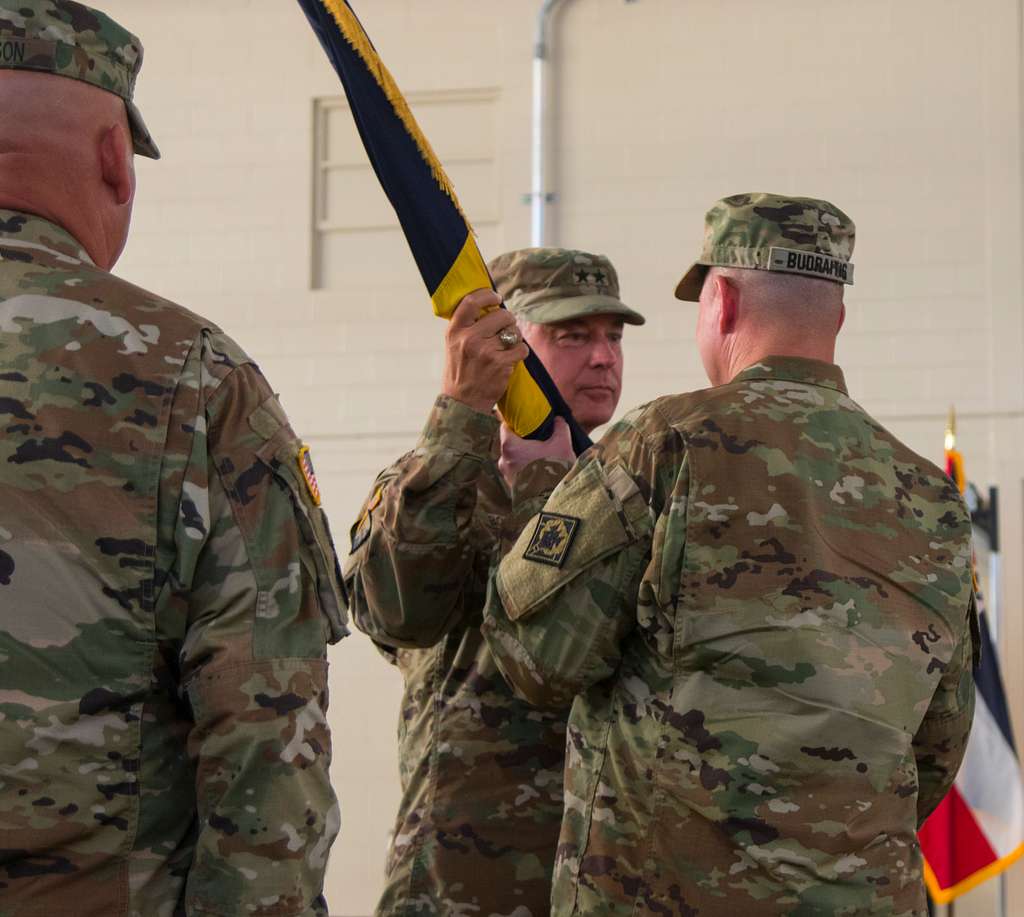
[(544, 285), (73, 40), (772, 232)]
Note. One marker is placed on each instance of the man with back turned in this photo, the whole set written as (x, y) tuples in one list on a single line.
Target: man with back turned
[(167, 580), (762, 602)]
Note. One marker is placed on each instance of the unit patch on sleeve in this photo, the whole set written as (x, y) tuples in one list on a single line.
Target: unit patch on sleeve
[(552, 539), (305, 461), (360, 532)]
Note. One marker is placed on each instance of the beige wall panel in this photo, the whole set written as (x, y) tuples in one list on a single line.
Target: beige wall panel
[(906, 113)]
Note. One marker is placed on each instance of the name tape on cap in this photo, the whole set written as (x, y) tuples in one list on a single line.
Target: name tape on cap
[(30, 53), (810, 264)]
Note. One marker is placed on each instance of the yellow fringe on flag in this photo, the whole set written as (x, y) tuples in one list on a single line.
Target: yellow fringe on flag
[(942, 895), (360, 42)]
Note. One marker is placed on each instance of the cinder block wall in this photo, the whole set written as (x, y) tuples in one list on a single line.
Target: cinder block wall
[(906, 113)]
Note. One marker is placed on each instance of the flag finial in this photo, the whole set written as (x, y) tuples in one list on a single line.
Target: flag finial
[(951, 429)]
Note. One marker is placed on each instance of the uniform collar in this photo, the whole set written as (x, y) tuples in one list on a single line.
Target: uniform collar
[(25, 231), (795, 369)]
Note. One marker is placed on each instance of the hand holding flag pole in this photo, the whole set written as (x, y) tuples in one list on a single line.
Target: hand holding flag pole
[(441, 239)]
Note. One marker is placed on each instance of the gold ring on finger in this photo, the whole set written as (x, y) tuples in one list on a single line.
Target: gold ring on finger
[(508, 338)]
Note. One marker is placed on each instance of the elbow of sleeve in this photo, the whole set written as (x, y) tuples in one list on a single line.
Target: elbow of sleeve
[(925, 807), (931, 791), (399, 638), (407, 600), (524, 676), (420, 627), (262, 740)]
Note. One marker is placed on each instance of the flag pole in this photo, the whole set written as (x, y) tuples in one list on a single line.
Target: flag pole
[(994, 598), (986, 518)]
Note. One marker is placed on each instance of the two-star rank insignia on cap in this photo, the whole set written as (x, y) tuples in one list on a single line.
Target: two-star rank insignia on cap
[(552, 539), (305, 461)]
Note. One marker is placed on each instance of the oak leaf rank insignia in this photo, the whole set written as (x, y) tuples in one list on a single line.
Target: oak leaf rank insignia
[(305, 462), (552, 539)]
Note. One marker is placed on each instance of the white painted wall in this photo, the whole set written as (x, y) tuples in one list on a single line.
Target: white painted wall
[(905, 113)]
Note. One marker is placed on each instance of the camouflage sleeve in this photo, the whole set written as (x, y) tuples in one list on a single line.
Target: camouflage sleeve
[(264, 597), (941, 741), (414, 545), (565, 597)]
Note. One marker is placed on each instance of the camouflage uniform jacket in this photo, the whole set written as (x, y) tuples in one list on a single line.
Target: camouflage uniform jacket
[(481, 770), (765, 602), (167, 585)]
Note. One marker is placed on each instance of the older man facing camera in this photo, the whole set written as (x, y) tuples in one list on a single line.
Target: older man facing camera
[(481, 770), (763, 600)]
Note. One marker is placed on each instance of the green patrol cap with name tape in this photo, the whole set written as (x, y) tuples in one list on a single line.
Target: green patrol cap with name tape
[(773, 232), (73, 40), (545, 285)]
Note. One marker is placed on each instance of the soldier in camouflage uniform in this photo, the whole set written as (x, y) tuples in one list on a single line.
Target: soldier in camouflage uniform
[(167, 580), (481, 771), (763, 600)]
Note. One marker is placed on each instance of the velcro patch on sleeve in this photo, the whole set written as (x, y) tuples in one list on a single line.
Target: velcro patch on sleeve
[(552, 539), (582, 523)]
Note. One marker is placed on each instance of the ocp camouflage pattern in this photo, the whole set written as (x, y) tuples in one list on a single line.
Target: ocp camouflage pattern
[(111, 57), (763, 231), (481, 770), (767, 611), (544, 285), (166, 591)]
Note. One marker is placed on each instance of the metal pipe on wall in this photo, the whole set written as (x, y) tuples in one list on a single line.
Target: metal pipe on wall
[(538, 194)]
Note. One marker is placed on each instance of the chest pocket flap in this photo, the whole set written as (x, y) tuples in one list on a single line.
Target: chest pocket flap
[(591, 516)]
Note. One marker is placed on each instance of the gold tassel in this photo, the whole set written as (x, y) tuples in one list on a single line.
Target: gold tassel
[(360, 42)]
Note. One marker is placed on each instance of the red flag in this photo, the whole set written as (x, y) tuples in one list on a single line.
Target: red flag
[(978, 829)]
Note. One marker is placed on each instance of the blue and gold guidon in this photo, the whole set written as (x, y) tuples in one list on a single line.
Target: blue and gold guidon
[(439, 236), (552, 539)]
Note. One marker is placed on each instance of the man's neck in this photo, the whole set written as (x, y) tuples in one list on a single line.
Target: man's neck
[(29, 191), (754, 352)]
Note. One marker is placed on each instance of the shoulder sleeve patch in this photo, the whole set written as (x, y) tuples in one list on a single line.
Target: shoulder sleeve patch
[(552, 539), (305, 463), (584, 523), (360, 531)]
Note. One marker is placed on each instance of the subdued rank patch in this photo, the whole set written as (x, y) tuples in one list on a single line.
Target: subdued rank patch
[(375, 502), (361, 530), (811, 264), (305, 461), (552, 539)]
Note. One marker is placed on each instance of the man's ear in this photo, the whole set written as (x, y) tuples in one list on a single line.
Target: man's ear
[(117, 165), (728, 297)]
